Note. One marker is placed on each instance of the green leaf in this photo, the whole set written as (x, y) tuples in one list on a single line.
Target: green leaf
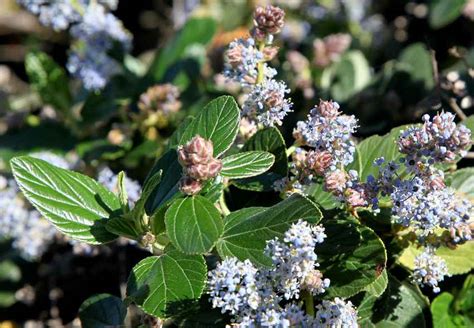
[(269, 140), (443, 12), (372, 148), (399, 306), (76, 204), (379, 285), (247, 230), (49, 80), (352, 255), (195, 31), (455, 258), (463, 181), (161, 285), (193, 224), (125, 227), (218, 122), (323, 198), (347, 77), (418, 62), (122, 191), (441, 312), (10, 282), (102, 310), (247, 164)]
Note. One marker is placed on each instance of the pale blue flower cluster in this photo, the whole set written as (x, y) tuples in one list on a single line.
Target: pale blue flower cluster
[(336, 314), (60, 14), (30, 234), (420, 198), (267, 103), (437, 140), (294, 258), (247, 64), (96, 34), (429, 269), (109, 179), (254, 295), (56, 14), (242, 60), (327, 130)]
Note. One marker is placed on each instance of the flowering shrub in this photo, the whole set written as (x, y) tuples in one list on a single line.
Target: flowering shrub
[(254, 209)]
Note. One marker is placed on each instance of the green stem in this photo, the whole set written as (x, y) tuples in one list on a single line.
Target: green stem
[(308, 302), (223, 206), (290, 150), (260, 65)]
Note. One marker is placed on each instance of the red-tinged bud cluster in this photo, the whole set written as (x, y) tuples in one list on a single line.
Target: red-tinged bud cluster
[(267, 20), (198, 163)]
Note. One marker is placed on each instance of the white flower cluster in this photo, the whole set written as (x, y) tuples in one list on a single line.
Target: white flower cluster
[(254, 295)]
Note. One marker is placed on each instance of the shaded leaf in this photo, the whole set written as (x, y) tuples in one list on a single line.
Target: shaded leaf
[(103, 310), (352, 256)]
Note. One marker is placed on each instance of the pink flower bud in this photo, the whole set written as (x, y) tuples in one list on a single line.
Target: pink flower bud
[(318, 162), (189, 186), (335, 181), (355, 198), (196, 151), (437, 182), (328, 109), (234, 55)]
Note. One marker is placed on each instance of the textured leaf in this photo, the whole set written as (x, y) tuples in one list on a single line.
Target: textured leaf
[(247, 164), (352, 256), (372, 148), (103, 310), (218, 121), (379, 285), (269, 140), (193, 224), (443, 12), (76, 204), (455, 258), (162, 285), (49, 80), (247, 230)]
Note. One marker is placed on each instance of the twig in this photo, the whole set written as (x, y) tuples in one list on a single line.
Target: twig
[(455, 107), (470, 155)]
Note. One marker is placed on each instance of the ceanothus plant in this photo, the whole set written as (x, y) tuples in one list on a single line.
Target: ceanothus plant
[(317, 258)]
